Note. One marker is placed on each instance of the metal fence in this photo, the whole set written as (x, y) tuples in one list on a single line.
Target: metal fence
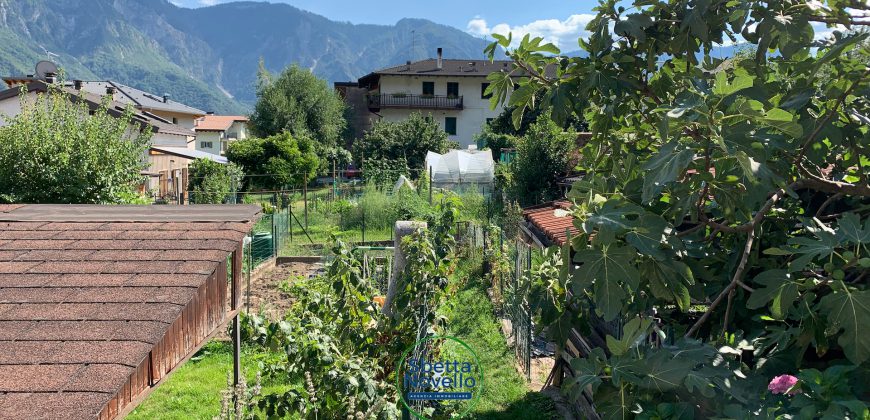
[(516, 305)]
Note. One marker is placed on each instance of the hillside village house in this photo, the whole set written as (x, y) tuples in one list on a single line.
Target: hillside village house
[(215, 132), (451, 91), (171, 148)]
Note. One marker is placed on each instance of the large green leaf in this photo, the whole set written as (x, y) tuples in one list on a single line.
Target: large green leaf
[(664, 372), (723, 87), (608, 270), (779, 287), (811, 249), (648, 236), (849, 311), (669, 280), (850, 228), (614, 216), (665, 167)]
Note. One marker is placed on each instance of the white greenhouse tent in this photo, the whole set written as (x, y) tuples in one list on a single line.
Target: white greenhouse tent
[(461, 167)]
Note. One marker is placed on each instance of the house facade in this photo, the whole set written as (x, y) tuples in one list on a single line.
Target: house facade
[(450, 91), (215, 132)]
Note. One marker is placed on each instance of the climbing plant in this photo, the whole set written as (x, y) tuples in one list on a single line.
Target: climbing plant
[(723, 213)]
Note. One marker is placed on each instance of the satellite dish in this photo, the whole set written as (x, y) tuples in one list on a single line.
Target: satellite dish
[(45, 67)]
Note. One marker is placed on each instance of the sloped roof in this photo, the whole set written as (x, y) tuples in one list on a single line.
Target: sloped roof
[(449, 67), (115, 107), (553, 227), (98, 303), (191, 154), (138, 98), (217, 122)]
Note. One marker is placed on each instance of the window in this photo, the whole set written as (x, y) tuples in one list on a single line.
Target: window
[(205, 145), (429, 88), (483, 94), (452, 89), (450, 125)]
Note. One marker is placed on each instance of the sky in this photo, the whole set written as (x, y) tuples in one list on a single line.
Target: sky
[(557, 21)]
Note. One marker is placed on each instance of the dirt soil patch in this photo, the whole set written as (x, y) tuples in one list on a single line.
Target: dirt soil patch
[(268, 289)]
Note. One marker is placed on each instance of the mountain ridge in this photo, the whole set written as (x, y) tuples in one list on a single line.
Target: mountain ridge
[(208, 57)]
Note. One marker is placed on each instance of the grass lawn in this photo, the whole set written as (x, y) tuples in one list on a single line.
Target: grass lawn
[(470, 318), (194, 391)]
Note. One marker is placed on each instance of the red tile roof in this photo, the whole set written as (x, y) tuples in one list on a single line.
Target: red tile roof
[(217, 122), (98, 303), (544, 219)]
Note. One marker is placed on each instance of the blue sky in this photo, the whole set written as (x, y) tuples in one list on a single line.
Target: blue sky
[(558, 21)]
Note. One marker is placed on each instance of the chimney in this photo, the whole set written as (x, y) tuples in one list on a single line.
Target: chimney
[(50, 77), (440, 58), (210, 113), (110, 91), (77, 84), (166, 98)]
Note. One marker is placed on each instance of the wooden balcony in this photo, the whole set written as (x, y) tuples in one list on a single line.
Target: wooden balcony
[(400, 100)]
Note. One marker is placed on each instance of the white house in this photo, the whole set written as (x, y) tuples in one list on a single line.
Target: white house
[(215, 132), (451, 91)]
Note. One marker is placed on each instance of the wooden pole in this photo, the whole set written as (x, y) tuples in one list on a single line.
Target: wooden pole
[(235, 301)]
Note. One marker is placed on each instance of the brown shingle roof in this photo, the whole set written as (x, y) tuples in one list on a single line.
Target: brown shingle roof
[(553, 227), (98, 303)]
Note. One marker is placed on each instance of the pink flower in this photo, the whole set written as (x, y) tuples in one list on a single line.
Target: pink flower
[(782, 384)]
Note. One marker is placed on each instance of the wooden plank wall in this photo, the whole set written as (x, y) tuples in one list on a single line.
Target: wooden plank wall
[(203, 314)]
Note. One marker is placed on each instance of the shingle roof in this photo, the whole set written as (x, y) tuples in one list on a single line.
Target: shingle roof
[(548, 223), (97, 303), (138, 98), (217, 122), (449, 67)]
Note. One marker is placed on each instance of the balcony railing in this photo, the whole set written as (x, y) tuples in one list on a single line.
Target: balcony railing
[(400, 100)]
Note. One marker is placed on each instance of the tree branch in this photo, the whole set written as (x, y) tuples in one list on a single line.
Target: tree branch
[(737, 279)]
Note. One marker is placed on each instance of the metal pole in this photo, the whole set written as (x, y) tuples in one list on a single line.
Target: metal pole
[(430, 185), (237, 350), (305, 194)]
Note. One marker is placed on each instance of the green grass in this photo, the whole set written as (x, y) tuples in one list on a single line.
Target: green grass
[(470, 318), (194, 391)]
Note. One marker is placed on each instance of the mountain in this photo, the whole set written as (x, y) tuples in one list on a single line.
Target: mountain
[(208, 57)]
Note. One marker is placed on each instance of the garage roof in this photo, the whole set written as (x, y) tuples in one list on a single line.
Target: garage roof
[(97, 303)]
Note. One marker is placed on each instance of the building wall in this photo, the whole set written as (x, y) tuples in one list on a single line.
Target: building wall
[(209, 136), (12, 107), (184, 120), (469, 120), (237, 131)]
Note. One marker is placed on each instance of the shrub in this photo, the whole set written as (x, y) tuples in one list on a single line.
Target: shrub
[(210, 182), (410, 140), (543, 155), (59, 151), (282, 160)]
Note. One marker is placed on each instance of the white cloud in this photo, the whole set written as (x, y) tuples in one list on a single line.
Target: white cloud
[(208, 2), (562, 33)]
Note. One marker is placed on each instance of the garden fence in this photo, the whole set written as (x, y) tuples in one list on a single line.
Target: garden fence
[(516, 305)]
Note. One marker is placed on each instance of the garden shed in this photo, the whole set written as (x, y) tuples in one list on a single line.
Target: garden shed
[(98, 304), (459, 167)]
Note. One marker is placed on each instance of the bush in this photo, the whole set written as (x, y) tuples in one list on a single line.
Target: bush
[(287, 160), (410, 140), (543, 155), (58, 151), (211, 182), (495, 141)]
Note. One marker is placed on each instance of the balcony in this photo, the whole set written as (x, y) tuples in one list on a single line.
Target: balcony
[(401, 100)]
